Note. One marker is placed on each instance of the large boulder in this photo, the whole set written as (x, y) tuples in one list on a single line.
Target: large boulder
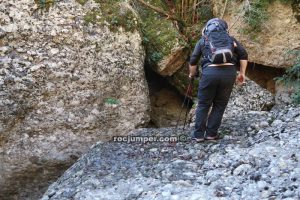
[(66, 81), (181, 81), (166, 48)]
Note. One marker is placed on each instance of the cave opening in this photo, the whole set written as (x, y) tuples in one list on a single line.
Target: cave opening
[(264, 75), (166, 101)]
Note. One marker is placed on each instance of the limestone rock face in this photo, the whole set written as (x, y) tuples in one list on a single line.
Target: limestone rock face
[(173, 62), (64, 83), (279, 35)]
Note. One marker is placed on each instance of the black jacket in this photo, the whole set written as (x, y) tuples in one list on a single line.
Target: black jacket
[(201, 50)]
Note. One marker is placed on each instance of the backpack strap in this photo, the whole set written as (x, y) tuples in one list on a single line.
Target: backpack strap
[(205, 38), (204, 43)]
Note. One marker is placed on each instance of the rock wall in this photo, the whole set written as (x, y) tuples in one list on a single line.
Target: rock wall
[(280, 32), (65, 83)]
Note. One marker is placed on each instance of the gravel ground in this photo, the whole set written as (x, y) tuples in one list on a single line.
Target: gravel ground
[(257, 158)]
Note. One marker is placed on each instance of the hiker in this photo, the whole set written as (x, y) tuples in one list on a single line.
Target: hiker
[(220, 54)]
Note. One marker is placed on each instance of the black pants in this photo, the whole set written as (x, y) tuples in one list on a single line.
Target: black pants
[(214, 90)]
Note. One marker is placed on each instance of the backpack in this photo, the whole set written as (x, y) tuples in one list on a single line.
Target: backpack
[(219, 42)]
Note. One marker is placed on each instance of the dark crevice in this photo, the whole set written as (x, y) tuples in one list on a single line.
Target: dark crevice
[(156, 82), (264, 75), (296, 9), (166, 101), (32, 182)]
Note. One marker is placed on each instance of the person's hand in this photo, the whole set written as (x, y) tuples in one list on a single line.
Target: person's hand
[(191, 76), (193, 71), (240, 79)]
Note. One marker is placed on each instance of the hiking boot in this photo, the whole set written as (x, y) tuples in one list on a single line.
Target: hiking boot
[(212, 138), (198, 137)]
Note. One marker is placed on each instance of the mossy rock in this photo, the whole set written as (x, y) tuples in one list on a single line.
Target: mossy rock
[(82, 2), (180, 81), (160, 37), (114, 14)]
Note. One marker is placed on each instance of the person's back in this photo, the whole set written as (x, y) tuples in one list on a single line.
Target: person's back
[(218, 78)]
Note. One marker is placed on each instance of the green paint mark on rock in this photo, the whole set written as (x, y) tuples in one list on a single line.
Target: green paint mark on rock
[(111, 101)]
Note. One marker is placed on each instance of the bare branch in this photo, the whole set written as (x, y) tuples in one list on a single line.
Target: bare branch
[(224, 9), (160, 11), (195, 6), (246, 6)]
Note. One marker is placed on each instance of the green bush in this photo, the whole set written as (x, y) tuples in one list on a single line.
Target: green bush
[(292, 77), (256, 14), (156, 56)]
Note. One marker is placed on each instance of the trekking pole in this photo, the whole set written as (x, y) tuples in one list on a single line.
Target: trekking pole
[(189, 93), (183, 103)]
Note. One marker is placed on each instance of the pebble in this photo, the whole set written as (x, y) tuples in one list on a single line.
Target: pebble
[(264, 124), (166, 194), (277, 123), (54, 51), (261, 184), (242, 170), (153, 150)]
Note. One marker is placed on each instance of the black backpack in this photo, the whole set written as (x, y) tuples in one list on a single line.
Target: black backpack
[(219, 42)]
